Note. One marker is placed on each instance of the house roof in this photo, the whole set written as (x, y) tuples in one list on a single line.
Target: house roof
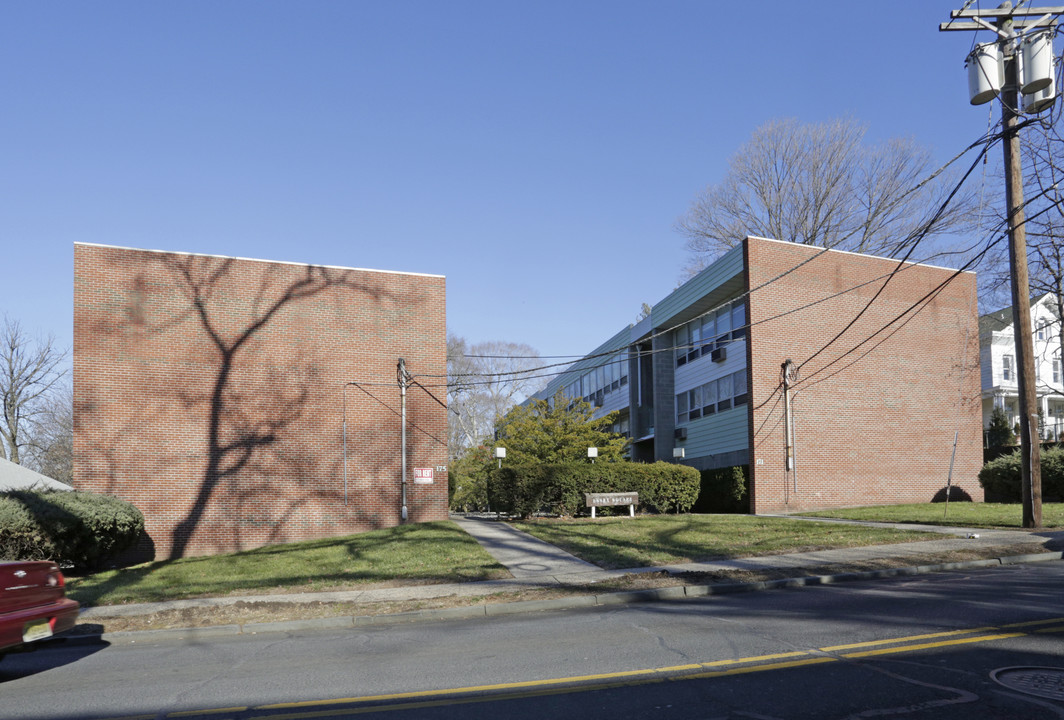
[(16, 477), (1000, 320)]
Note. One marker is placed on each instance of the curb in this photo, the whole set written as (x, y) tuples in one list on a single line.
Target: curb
[(666, 594)]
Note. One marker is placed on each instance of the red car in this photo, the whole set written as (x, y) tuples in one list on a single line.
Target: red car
[(33, 603)]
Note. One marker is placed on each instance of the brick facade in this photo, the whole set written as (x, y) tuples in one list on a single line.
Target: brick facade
[(210, 393), (875, 413)]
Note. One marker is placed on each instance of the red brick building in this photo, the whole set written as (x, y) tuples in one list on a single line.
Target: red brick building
[(885, 375), (875, 411), (212, 392)]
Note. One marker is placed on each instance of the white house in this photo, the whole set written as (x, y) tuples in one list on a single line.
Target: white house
[(997, 357)]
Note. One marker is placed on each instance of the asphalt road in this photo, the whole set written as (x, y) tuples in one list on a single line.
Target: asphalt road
[(921, 647)]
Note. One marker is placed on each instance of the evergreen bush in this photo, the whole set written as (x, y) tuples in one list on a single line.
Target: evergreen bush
[(724, 490), (1001, 479), (78, 529), (558, 489)]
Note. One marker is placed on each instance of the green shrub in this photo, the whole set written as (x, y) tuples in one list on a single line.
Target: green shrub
[(558, 489), (724, 490), (76, 528), (1001, 478)]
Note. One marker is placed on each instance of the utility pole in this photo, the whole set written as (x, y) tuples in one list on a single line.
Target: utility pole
[(404, 379), (787, 373), (1007, 20)]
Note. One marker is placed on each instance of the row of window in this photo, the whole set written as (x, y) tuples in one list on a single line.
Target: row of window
[(703, 335), (602, 380), (1008, 370), (713, 397)]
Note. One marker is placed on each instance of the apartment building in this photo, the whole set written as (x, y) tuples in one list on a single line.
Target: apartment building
[(241, 402), (880, 403)]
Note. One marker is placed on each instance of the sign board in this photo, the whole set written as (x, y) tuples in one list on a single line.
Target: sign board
[(605, 499), (597, 500), (422, 476)]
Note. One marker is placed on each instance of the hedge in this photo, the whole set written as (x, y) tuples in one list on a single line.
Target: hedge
[(1000, 478), (78, 529), (558, 489), (724, 490)]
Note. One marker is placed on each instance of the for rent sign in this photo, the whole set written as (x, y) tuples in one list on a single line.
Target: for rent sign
[(423, 476)]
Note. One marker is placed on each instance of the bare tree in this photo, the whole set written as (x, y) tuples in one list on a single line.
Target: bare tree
[(51, 439), (484, 381), (30, 367), (820, 184)]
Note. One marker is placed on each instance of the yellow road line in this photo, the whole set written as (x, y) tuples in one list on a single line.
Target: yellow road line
[(1032, 623), (214, 711), (929, 646), (601, 681), (910, 638)]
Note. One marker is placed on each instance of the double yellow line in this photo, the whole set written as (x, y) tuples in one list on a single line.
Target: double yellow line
[(604, 681)]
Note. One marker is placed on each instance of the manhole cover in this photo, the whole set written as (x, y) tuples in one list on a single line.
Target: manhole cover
[(1043, 682)]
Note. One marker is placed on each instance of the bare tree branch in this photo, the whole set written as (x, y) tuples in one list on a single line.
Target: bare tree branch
[(29, 369), (819, 184)]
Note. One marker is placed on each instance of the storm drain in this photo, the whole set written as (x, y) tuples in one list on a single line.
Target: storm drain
[(1045, 682)]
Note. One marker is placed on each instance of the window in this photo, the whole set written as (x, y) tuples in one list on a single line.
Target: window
[(709, 331), (696, 340), (681, 343), (694, 398), (739, 387), (709, 398), (738, 320), (724, 393), (681, 408), (1056, 370), (724, 325), (1007, 372)]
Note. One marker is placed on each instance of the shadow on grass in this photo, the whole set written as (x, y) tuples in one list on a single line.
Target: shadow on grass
[(423, 553)]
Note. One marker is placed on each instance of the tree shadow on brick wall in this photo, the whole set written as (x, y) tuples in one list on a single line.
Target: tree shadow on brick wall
[(236, 437)]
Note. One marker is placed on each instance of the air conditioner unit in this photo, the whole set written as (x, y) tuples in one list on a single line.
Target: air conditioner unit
[(680, 433), (719, 354)]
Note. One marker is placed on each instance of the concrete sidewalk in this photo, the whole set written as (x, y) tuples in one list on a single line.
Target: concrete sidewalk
[(535, 564)]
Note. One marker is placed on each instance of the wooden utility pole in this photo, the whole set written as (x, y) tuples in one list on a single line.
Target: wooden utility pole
[(1030, 442), (1007, 21)]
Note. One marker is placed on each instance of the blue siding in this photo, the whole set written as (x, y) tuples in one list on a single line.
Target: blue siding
[(725, 268), (720, 433)]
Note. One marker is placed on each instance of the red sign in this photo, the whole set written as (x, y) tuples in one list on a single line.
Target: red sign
[(423, 476)]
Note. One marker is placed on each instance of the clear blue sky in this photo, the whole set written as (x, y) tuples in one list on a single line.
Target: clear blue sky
[(536, 153)]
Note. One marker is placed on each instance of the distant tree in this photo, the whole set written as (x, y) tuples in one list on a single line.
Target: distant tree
[(998, 431), (553, 431), (468, 477), (51, 441), (483, 382), (821, 184), (30, 368)]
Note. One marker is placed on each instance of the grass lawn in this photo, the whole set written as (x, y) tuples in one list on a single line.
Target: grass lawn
[(617, 543), (409, 554), (963, 514)]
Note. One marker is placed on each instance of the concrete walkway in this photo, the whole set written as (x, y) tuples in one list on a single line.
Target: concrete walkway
[(535, 564), (526, 557)]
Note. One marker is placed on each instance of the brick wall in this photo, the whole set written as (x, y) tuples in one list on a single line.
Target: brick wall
[(209, 392), (874, 422)]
